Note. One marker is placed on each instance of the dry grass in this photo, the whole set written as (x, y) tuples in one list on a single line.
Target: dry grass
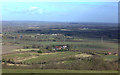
[(83, 55), (9, 48)]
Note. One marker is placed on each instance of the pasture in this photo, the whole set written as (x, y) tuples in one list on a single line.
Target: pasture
[(53, 71)]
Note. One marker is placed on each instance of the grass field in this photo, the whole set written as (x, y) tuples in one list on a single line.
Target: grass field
[(51, 56), (52, 71), (25, 49), (110, 58), (88, 43)]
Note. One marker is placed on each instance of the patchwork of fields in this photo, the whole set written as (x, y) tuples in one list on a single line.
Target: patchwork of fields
[(58, 50)]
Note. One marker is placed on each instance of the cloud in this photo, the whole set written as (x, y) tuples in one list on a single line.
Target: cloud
[(35, 10), (33, 7)]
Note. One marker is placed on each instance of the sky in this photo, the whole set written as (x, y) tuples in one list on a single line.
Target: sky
[(106, 12)]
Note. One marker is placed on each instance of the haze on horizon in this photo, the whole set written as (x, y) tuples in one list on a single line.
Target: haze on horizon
[(105, 12)]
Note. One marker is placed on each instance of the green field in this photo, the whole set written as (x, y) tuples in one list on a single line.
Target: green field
[(52, 57), (94, 45), (52, 71), (110, 58)]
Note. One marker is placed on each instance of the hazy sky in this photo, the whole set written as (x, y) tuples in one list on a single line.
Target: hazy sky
[(61, 11)]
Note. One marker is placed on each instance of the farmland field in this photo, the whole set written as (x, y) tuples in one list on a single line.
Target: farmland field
[(55, 49), (52, 71), (9, 48)]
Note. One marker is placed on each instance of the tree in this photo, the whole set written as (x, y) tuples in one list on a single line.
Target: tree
[(39, 51)]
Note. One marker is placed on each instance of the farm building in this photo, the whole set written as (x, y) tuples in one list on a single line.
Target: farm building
[(60, 47), (109, 53)]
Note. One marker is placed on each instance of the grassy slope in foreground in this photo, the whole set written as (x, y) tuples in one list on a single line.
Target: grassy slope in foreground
[(52, 71)]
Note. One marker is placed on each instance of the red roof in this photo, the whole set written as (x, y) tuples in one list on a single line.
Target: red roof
[(58, 46)]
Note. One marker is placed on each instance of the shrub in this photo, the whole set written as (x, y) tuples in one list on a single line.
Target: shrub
[(39, 51)]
